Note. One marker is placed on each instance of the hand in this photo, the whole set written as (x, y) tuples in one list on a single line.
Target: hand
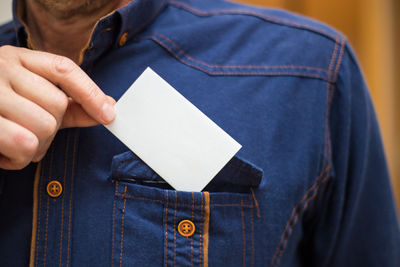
[(33, 108)]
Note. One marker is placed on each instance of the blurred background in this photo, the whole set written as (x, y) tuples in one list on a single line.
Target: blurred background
[(373, 29)]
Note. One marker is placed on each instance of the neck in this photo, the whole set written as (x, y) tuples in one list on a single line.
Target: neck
[(66, 36)]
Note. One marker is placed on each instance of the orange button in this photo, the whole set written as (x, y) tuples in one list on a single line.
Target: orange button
[(123, 39), (54, 189), (186, 228)]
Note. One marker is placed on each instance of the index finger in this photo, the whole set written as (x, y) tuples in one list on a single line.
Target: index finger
[(64, 73)]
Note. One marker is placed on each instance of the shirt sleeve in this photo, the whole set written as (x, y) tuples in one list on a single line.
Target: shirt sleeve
[(357, 224)]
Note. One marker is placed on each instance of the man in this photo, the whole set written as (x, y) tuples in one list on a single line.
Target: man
[(309, 187)]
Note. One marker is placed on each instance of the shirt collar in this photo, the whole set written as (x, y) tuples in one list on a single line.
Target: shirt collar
[(120, 26)]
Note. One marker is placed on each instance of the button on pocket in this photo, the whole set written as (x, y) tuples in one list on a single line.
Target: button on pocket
[(186, 228)]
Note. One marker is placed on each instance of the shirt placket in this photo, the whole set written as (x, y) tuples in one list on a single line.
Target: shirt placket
[(186, 219), (53, 202)]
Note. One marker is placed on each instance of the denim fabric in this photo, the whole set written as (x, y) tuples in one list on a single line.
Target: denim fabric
[(310, 186)]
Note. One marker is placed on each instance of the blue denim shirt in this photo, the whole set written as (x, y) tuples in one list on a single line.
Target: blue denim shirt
[(310, 186)]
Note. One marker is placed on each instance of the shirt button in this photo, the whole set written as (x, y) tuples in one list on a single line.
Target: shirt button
[(186, 228), (54, 189), (123, 39)]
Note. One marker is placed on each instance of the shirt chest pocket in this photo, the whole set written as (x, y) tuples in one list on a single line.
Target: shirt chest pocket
[(154, 225)]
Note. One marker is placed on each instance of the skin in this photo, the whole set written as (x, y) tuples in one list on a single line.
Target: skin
[(32, 106)]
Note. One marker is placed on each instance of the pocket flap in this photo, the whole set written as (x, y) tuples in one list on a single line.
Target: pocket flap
[(238, 175)]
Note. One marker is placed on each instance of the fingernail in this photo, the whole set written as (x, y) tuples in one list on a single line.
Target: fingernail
[(108, 113)]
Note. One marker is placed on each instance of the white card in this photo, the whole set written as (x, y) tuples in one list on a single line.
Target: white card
[(170, 134)]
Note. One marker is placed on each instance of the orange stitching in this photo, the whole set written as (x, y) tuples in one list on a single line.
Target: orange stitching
[(122, 231), (45, 234), (191, 237), (63, 197), (183, 204), (328, 85), (237, 72), (39, 214), (232, 205), (340, 59), (329, 101), (243, 235), (295, 212), (71, 193), (252, 237), (206, 228), (315, 193), (166, 233), (47, 207), (238, 66), (201, 232), (255, 202), (176, 201), (36, 183), (333, 57), (113, 227), (140, 198), (269, 18)]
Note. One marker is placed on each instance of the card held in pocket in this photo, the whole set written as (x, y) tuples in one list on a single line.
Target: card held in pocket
[(170, 134)]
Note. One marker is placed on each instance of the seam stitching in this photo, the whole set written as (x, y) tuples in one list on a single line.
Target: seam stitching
[(71, 194), (201, 231), (183, 204), (239, 73), (185, 54), (113, 226), (243, 234), (191, 237), (297, 212), (166, 232), (175, 210), (321, 179), (63, 196), (255, 202), (269, 18), (122, 230), (41, 183), (48, 207)]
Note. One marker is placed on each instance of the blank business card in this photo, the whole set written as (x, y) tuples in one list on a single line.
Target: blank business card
[(170, 134)]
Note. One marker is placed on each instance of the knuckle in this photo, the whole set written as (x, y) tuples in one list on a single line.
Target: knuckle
[(63, 65), (90, 94), (61, 102), (50, 126), (19, 164), (38, 157), (27, 145)]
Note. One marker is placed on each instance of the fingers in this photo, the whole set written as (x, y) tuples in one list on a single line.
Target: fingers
[(33, 107), (28, 115), (73, 80), (40, 91), (19, 144)]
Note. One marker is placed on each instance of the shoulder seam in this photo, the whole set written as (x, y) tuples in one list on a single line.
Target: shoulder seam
[(243, 70), (265, 17)]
